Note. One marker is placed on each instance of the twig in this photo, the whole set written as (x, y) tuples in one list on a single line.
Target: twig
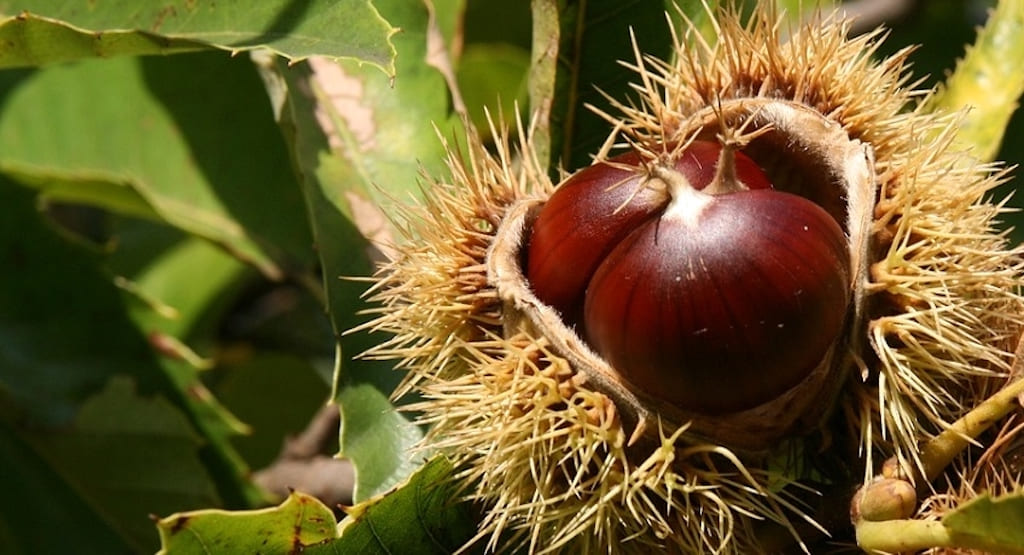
[(303, 464)]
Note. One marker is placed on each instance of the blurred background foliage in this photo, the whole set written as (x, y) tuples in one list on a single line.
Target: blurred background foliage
[(173, 227)]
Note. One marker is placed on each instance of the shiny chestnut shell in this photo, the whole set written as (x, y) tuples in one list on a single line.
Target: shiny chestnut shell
[(716, 303), (597, 207), (726, 312)]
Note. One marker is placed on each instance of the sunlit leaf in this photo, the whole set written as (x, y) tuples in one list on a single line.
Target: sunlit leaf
[(999, 520), (543, 79), (299, 521), (171, 280), (493, 76), (989, 80), (38, 32), (361, 142), (335, 201), (420, 516), (189, 140)]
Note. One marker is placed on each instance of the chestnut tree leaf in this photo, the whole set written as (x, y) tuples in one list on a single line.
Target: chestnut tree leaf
[(71, 362), (374, 436), (188, 140), (57, 306), (37, 32), (577, 50), (248, 384), (297, 523), (40, 494), (174, 305), (64, 335), (795, 10), (130, 456), (543, 78), (66, 332), (360, 142), (420, 516), (989, 80), (998, 520), (172, 298), (492, 78)]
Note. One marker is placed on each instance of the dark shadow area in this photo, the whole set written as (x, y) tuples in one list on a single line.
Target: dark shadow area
[(606, 36), (10, 79), (283, 24), (221, 108), (63, 326), (33, 495)]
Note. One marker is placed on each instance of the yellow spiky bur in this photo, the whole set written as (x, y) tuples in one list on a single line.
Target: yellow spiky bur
[(558, 446)]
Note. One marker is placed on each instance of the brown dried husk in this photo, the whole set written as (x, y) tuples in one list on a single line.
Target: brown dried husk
[(561, 456)]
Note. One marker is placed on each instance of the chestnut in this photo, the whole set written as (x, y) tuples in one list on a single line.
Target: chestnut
[(693, 278), (598, 207)]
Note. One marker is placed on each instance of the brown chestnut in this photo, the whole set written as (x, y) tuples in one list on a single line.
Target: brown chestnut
[(597, 207), (700, 285)]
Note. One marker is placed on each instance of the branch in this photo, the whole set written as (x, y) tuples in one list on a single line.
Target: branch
[(303, 464)]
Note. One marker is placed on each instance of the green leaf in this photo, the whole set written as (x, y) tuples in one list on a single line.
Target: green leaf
[(40, 495), (63, 327), (997, 520), (989, 80), (47, 31), (80, 187), (420, 517), (360, 142), (795, 10), (298, 522), (376, 437), (251, 385), (183, 295), (335, 201), (493, 76), (130, 456), (172, 302), (218, 426), (543, 79), (187, 139), (595, 37), (66, 332)]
